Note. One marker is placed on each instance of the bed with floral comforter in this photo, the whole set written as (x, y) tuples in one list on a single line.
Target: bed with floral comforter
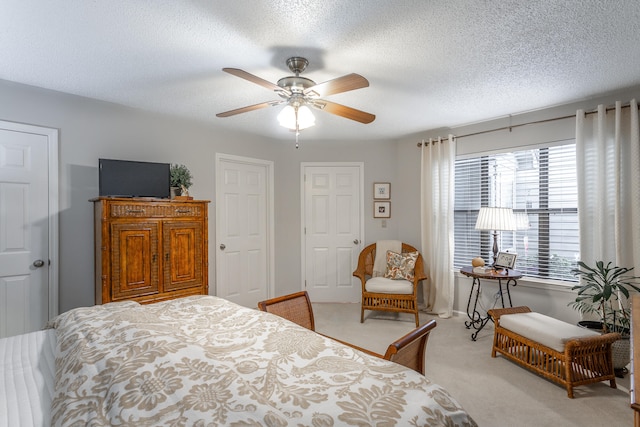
[(204, 361)]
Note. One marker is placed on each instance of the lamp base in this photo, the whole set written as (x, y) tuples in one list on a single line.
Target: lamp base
[(495, 248)]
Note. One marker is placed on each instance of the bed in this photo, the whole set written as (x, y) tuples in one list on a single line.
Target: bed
[(205, 361)]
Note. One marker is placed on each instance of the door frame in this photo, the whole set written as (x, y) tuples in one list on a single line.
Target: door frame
[(53, 211), (269, 186), (303, 235)]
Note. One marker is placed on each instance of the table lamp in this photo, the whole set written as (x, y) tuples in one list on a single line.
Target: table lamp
[(495, 219)]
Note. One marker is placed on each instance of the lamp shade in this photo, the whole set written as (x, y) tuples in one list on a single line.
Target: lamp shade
[(296, 117), (287, 117), (496, 219), (305, 117)]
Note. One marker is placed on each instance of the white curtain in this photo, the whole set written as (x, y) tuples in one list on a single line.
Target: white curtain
[(437, 182), (608, 164)]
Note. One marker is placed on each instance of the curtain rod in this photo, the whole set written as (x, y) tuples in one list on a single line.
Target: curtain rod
[(510, 127)]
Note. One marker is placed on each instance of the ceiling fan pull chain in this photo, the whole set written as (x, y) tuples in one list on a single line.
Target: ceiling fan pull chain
[(297, 129)]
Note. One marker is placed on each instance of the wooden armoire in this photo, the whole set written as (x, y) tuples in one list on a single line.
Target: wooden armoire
[(150, 250)]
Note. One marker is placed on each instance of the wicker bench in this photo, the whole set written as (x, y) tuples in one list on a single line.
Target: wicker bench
[(561, 352)]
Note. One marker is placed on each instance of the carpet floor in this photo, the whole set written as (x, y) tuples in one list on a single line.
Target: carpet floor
[(494, 391)]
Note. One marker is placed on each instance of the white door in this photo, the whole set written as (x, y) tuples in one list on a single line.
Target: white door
[(28, 200), (333, 232), (244, 229)]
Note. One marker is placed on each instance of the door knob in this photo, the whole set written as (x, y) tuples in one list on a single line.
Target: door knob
[(38, 263), (222, 247), (356, 241)]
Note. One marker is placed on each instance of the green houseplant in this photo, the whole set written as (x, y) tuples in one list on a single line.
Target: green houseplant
[(600, 293), (180, 179)]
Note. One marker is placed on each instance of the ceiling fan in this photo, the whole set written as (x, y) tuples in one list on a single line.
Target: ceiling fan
[(300, 92)]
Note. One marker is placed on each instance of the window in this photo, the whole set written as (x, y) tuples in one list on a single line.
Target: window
[(540, 186)]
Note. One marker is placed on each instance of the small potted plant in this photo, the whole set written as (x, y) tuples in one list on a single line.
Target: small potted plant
[(180, 180), (600, 293)]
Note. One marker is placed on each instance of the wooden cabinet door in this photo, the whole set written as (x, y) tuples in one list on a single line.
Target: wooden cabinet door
[(134, 259), (183, 248)]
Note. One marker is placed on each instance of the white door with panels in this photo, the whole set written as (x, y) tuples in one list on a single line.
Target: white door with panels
[(333, 231), (244, 229), (28, 227)]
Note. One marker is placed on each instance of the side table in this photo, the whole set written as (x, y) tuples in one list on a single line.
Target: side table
[(476, 319)]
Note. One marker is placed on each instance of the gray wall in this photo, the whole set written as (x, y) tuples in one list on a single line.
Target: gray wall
[(544, 297), (91, 129), (379, 165)]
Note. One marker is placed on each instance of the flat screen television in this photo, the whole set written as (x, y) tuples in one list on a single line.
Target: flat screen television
[(126, 178)]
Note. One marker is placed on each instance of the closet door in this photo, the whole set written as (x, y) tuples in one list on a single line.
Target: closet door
[(28, 227), (332, 218)]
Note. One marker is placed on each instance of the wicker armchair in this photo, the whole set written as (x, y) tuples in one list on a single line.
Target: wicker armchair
[(295, 307), (409, 351), (402, 303)]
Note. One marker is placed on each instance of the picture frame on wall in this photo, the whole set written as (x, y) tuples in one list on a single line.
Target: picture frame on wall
[(382, 190), (382, 209)]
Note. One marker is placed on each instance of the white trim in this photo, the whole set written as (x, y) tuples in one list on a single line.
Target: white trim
[(303, 166), (52, 156), (54, 212), (269, 185)]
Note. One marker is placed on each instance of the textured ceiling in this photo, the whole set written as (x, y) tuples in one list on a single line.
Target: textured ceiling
[(430, 64)]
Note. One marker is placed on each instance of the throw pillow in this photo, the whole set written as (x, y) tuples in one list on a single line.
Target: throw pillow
[(400, 266)]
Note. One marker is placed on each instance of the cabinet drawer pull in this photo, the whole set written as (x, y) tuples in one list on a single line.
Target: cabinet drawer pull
[(135, 210), (183, 210)]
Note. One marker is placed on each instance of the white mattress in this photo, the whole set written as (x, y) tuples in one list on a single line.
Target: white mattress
[(27, 374)]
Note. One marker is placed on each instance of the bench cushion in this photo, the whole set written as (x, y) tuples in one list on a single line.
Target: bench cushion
[(543, 329), (382, 285)]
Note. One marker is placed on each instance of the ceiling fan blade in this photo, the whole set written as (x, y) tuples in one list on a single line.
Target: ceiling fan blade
[(344, 111), (341, 84), (255, 79), (249, 108)]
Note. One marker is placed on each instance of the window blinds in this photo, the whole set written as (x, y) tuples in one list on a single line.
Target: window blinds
[(540, 186)]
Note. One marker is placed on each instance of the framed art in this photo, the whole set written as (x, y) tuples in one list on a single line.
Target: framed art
[(381, 190), (382, 209), (506, 260)]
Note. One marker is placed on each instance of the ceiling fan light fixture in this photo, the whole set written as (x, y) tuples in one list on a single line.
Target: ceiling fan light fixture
[(305, 117), (296, 118), (287, 117), (299, 93)]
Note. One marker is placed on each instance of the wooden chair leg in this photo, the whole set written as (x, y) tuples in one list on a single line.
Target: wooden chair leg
[(570, 391), (361, 314), (495, 342)]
